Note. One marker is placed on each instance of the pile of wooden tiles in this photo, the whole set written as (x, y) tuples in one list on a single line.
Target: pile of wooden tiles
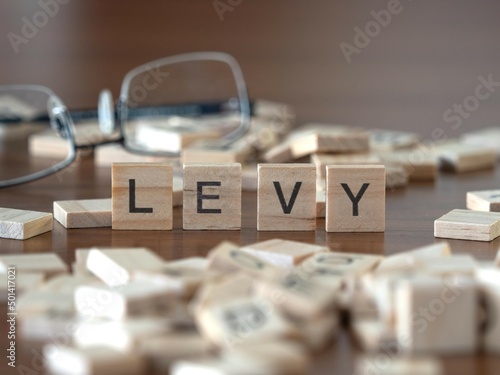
[(264, 308)]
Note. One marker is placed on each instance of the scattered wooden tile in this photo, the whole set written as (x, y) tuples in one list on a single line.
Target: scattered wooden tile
[(242, 320), (396, 176), (355, 198), (283, 253), (280, 153), (116, 266), (142, 196), (389, 140), (88, 213), (458, 265), (136, 298), (286, 197), (436, 315), (320, 204), (213, 152), (420, 164), (374, 365), (322, 160), (107, 155), (214, 365), (23, 224), (23, 282), (487, 138), (319, 333), (212, 196), (484, 200), (489, 290), (497, 259), (227, 258), (372, 334), (177, 191), (68, 283), (249, 177), (460, 157), (468, 225), (44, 326), (35, 303), (329, 138), (162, 351), (65, 360), (49, 264)]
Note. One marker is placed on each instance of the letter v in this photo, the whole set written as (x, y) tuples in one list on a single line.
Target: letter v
[(287, 208)]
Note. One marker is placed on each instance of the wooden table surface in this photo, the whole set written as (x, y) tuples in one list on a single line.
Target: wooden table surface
[(429, 57)]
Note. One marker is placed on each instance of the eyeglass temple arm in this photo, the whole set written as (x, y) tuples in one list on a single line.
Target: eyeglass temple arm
[(195, 109)]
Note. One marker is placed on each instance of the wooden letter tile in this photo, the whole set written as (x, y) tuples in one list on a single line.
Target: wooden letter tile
[(468, 225), (286, 197), (89, 213), (142, 196), (212, 196), (22, 224), (485, 200), (355, 198)]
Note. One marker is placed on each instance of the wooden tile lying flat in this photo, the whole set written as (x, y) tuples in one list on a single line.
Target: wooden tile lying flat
[(116, 266), (286, 197), (484, 200), (489, 289), (322, 160), (162, 351), (23, 224), (317, 334), (436, 315), (460, 264), (329, 138), (420, 164), (107, 155), (212, 196), (389, 140), (487, 138), (280, 153), (468, 225), (33, 303), (40, 328), (396, 176), (283, 253), (320, 204), (49, 264), (210, 152), (88, 213), (372, 365), (92, 361), (142, 196), (372, 334), (459, 157), (242, 320), (355, 198), (24, 281), (217, 366)]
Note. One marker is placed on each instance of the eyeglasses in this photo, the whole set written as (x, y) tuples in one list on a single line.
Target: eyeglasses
[(195, 93)]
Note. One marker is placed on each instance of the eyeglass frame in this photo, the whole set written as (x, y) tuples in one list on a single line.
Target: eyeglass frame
[(62, 120)]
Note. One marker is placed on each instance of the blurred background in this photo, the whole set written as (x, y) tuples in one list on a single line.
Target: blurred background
[(317, 56)]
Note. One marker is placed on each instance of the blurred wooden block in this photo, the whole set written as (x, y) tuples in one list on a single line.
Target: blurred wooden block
[(68, 283), (177, 191), (283, 253), (468, 225), (162, 351), (320, 204), (136, 298), (458, 265), (182, 276), (34, 303), (92, 361), (329, 138), (211, 152), (23, 224), (212, 196), (420, 164), (389, 140), (281, 153), (497, 259), (107, 155), (242, 320), (116, 266), (89, 213), (217, 366), (460, 157), (23, 282), (489, 289), (322, 160), (396, 176), (484, 200), (437, 316), (249, 177), (355, 198), (398, 366), (49, 264), (371, 334), (142, 196), (286, 198), (227, 258), (487, 138), (319, 333)]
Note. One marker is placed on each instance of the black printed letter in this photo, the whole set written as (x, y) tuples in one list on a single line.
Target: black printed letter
[(355, 199), (131, 200), (200, 196), (287, 208)]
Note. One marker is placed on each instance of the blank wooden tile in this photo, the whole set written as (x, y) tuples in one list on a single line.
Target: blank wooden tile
[(460, 157), (283, 253), (286, 197), (329, 138), (460, 264), (420, 163), (355, 198), (396, 176), (88, 213), (387, 365), (320, 204), (107, 155), (389, 140), (468, 225), (49, 264), (116, 266), (212, 196), (210, 152), (142, 196), (34, 303), (484, 200), (322, 160), (281, 153), (23, 224), (487, 137), (217, 366), (65, 360), (435, 315), (489, 288)]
